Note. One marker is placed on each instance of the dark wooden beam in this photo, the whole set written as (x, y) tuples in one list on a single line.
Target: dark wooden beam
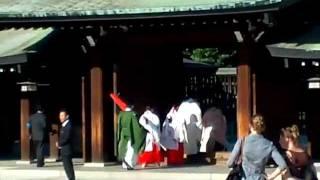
[(85, 135), (115, 114), (83, 114), (115, 109), (254, 93)]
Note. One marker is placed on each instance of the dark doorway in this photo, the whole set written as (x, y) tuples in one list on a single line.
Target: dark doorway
[(9, 115), (313, 120)]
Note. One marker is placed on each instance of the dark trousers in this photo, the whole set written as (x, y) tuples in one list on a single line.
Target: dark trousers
[(38, 146), (68, 166)]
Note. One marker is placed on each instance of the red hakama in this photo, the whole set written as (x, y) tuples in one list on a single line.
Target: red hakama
[(151, 157), (175, 157)]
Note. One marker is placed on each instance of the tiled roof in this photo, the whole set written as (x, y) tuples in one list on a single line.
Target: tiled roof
[(17, 41), (63, 8), (304, 46)]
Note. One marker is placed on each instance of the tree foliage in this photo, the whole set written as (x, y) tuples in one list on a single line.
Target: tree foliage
[(212, 56)]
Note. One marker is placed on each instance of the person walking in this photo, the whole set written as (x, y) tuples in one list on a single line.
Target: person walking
[(39, 133), (151, 123), (130, 138), (170, 138)]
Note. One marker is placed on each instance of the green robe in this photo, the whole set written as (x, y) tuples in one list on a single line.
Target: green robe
[(129, 129)]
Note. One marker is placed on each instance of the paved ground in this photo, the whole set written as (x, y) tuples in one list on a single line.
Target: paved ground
[(9, 170)]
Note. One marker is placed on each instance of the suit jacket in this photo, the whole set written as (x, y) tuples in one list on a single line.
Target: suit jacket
[(65, 139), (39, 130)]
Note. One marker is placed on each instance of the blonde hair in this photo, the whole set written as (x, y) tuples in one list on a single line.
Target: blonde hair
[(292, 133), (257, 123), (295, 131)]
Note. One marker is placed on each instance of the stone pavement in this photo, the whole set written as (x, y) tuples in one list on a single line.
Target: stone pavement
[(9, 170)]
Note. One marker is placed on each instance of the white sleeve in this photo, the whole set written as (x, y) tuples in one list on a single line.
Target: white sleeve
[(143, 123)]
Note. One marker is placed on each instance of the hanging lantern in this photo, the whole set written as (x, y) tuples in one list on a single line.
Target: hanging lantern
[(314, 83), (28, 86)]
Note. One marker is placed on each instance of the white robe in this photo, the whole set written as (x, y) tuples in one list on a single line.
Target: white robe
[(191, 130), (186, 109), (206, 135), (151, 123), (130, 157), (170, 131)]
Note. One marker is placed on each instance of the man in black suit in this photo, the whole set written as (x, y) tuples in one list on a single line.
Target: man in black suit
[(65, 144), (39, 133)]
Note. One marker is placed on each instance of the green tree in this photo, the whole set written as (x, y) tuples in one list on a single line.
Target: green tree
[(211, 56)]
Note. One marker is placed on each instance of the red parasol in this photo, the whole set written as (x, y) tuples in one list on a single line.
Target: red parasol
[(122, 105)]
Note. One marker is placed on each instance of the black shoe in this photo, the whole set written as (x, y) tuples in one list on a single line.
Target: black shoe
[(130, 168)]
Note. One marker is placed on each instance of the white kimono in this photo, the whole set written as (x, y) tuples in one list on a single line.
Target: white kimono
[(189, 115), (151, 123), (170, 131), (130, 160)]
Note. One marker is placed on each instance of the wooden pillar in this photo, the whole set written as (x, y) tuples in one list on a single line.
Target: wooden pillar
[(115, 116), (254, 93), (24, 131), (85, 123), (83, 114), (54, 153), (96, 114), (244, 103)]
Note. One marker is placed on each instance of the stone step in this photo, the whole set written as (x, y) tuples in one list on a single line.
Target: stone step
[(222, 156)]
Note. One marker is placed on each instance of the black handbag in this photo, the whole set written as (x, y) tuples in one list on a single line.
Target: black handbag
[(237, 172)]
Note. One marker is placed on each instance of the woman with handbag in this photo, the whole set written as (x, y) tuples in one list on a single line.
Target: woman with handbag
[(251, 154)]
